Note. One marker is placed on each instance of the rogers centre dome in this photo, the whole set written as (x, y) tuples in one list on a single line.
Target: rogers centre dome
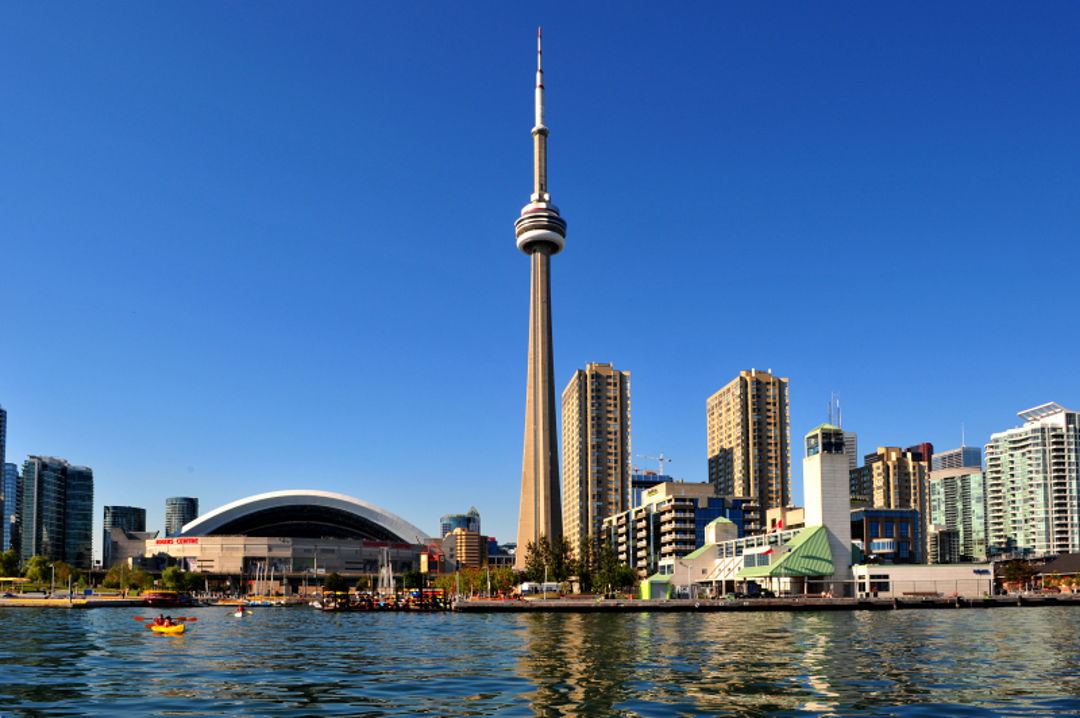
[(304, 515)]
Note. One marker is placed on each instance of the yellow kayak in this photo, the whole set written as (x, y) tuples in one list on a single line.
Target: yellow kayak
[(172, 630)]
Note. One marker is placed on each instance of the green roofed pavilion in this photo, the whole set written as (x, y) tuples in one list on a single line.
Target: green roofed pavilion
[(807, 554)]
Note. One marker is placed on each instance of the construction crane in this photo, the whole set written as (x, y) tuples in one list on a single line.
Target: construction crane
[(658, 459)]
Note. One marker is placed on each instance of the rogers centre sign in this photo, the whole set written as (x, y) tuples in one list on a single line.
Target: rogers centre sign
[(160, 542)]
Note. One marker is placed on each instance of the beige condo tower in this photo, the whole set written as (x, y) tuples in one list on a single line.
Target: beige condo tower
[(596, 450), (541, 234), (749, 442)]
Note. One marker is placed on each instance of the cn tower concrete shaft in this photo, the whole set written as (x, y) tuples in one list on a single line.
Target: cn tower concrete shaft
[(541, 512)]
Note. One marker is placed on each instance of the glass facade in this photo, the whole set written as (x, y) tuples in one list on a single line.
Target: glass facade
[(958, 503), (469, 522), (10, 513), (56, 503), (179, 510)]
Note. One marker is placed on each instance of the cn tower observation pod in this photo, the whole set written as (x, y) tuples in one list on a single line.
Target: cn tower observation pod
[(305, 514)]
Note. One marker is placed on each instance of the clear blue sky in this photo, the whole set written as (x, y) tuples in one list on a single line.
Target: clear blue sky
[(255, 246)]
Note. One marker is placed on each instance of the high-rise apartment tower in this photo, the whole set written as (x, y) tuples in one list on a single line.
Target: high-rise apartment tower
[(1033, 484), (179, 510), (541, 234), (596, 450), (56, 503), (10, 515), (892, 478), (749, 442)]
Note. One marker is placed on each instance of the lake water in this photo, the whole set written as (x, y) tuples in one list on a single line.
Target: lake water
[(300, 662)]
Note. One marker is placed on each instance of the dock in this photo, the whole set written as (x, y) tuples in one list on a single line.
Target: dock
[(592, 605), (83, 602)]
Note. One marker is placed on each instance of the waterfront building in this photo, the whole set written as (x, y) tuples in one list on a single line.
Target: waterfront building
[(641, 482), (179, 510), (963, 457), (886, 535), (541, 234), (748, 442), (126, 547), (297, 535), (464, 549), (826, 482), (125, 518), (1033, 484), (957, 502), (670, 522), (893, 478), (469, 521), (10, 507), (56, 502), (805, 551), (596, 451), (960, 580), (785, 517)]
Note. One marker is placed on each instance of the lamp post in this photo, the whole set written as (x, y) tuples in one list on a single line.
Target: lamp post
[(52, 579)]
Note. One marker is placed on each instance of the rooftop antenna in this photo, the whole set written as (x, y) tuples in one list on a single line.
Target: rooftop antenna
[(836, 414), (963, 438)]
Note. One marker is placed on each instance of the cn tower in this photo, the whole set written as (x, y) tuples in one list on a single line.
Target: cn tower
[(541, 234)]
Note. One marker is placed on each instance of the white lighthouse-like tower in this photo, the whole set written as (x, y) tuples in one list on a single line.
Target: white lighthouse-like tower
[(541, 234)]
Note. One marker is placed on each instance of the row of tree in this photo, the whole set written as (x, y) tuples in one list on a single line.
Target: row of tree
[(40, 570), (597, 567)]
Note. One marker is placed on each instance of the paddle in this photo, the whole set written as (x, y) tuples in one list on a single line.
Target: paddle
[(175, 618)]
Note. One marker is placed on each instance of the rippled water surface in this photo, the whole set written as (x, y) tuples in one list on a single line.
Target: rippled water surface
[(299, 662)]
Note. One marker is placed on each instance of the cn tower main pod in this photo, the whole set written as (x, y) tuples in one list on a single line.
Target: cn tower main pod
[(541, 234)]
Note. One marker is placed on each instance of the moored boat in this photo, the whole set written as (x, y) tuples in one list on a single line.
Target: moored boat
[(168, 598)]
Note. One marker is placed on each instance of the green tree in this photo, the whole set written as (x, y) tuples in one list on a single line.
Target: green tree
[(335, 582), (38, 570), (172, 578), (9, 564), (1019, 572), (363, 583), (562, 560), (503, 580), (447, 582), (607, 576), (193, 581), (585, 565), (412, 579), (64, 571), (537, 557)]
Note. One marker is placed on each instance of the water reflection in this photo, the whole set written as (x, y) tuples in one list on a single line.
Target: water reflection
[(284, 662)]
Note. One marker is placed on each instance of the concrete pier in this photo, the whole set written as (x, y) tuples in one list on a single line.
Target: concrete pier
[(574, 605)]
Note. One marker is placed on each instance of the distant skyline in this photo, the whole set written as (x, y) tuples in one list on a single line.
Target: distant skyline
[(263, 247)]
